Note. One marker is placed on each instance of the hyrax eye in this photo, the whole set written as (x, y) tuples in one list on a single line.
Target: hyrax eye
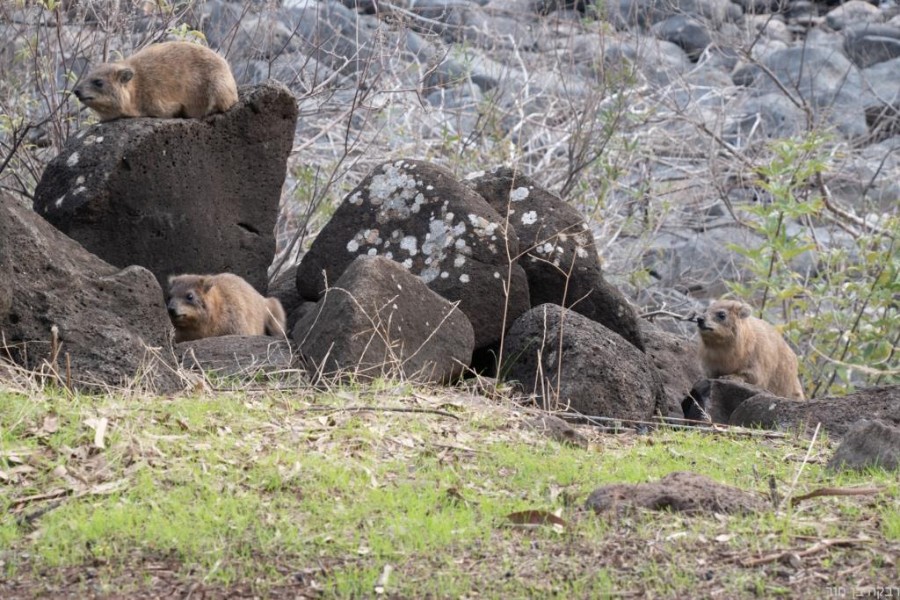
[(189, 296), (720, 315), (98, 83)]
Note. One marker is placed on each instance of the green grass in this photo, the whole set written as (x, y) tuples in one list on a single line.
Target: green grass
[(237, 487)]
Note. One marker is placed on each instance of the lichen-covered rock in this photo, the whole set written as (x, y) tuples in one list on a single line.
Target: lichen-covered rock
[(418, 215), (112, 323), (177, 195), (560, 258), (380, 320)]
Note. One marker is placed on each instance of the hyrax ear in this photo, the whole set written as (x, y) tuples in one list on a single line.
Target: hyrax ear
[(745, 311), (205, 284), (125, 75)]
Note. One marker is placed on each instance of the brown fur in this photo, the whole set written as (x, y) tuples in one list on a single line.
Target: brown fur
[(734, 343), (211, 305), (171, 79)]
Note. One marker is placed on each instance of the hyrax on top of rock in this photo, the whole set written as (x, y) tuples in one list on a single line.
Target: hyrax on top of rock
[(212, 305), (734, 343), (171, 79)]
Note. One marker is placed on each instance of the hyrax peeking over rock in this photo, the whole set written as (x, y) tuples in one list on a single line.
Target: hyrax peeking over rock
[(171, 79), (734, 343), (211, 305)]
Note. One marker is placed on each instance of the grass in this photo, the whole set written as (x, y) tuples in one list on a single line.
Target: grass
[(267, 488)]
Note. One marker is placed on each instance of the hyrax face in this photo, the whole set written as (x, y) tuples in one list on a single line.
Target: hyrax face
[(720, 323), (185, 301), (105, 89)]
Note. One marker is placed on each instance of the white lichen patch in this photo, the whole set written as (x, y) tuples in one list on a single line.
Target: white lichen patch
[(355, 198), (396, 193), (481, 226), (410, 244), (518, 194), (371, 236), (429, 274), (79, 190), (79, 180), (459, 261), (464, 278), (372, 252), (72, 160), (352, 246), (59, 202), (474, 175), (407, 263), (496, 275)]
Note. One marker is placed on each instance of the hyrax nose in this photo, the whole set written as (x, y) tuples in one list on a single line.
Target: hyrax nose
[(701, 321)]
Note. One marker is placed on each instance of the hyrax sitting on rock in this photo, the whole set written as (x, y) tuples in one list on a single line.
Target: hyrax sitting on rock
[(171, 79), (211, 305), (734, 343)]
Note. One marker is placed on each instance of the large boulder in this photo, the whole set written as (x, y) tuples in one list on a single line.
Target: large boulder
[(112, 323), (836, 414), (826, 79), (568, 360), (177, 195), (380, 319), (420, 216), (676, 359), (559, 255), (871, 43)]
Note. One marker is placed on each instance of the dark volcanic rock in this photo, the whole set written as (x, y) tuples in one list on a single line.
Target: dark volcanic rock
[(560, 258), (680, 491), (380, 319), (836, 414), (236, 355), (871, 43), (676, 359), (420, 216), (685, 32), (868, 444), (112, 322), (177, 195), (726, 395), (595, 370)]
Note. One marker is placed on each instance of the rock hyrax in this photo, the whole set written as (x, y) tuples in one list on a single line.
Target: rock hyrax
[(732, 342), (211, 305), (172, 79)]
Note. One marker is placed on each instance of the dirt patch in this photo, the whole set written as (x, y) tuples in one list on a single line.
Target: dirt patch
[(682, 492)]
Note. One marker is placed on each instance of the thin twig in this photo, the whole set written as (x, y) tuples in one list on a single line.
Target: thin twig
[(831, 491), (433, 411)]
